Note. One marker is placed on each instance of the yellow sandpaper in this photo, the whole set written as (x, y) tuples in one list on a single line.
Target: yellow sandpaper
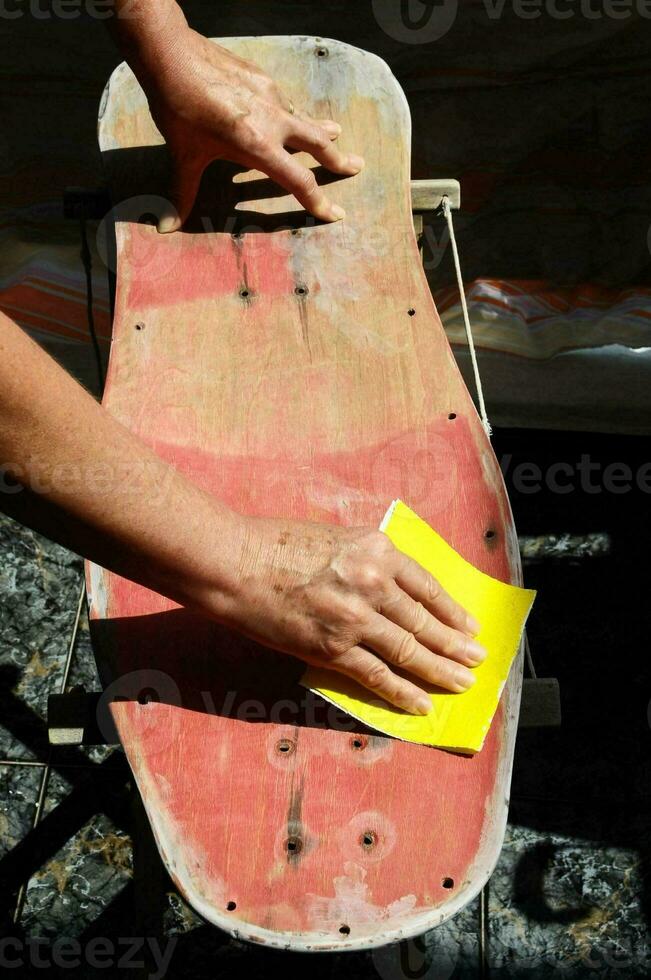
[(457, 722)]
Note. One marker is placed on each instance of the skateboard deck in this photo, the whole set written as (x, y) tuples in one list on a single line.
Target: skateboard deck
[(294, 369)]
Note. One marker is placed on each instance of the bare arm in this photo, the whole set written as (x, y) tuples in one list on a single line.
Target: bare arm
[(334, 596)]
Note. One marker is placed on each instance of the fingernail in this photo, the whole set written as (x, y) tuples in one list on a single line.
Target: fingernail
[(167, 224), (475, 652), (424, 705), (334, 128), (464, 679), (357, 162), (337, 212), (472, 625)]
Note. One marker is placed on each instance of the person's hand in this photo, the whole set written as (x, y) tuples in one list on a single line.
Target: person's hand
[(210, 104), (347, 599)]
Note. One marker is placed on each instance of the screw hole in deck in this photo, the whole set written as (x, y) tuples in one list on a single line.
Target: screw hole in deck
[(452, 416), (322, 52), (231, 906), (369, 839), (294, 845), (140, 326), (448, 882), (245, 293), (490, 534), (285, 746), (411, 312), (344, 930), (358, 742), (301, 290)]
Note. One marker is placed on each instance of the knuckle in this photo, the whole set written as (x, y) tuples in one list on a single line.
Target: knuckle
[(250, 137), (353, 613), (379, 544), (446, 675), (434, 590), (307, 182), (334, 645), (318, 138), (405, 650), (452, 645), (421, 618), (377, 676), (369, 577)]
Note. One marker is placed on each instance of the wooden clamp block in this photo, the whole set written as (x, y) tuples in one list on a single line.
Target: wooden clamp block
[(427, 195)]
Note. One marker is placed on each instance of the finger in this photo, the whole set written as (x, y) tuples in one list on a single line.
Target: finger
[(377, 677), (299, 181), (332, 128), (420, 585), (400, 648), (319, 143), (186, 177), (413, 617)]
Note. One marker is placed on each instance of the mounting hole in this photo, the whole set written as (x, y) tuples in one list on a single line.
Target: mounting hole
[(448, 882), (231, 906), (368, 839), (140, 326), (322, 52), (245, 293), (301, 290), (452, 416), (295, 232), (411, 312), (344, 930), (490, 534), (294, 845), (285, 746), (358, 742)]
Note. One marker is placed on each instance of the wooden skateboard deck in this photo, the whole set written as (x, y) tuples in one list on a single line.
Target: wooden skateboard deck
[(295, 369)]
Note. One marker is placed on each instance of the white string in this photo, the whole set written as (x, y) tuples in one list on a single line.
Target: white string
[(475, 367), (466, 319), (527, 652)]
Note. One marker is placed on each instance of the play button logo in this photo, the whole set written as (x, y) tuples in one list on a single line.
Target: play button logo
[(415, 21)]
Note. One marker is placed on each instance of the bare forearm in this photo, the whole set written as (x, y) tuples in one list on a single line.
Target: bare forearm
[(147, 33), (95, 487)]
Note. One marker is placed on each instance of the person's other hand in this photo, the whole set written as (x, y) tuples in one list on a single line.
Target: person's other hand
[(347, 599), (210, 104)]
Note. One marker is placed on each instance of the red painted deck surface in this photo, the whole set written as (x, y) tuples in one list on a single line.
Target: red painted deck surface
[(279, 818)]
